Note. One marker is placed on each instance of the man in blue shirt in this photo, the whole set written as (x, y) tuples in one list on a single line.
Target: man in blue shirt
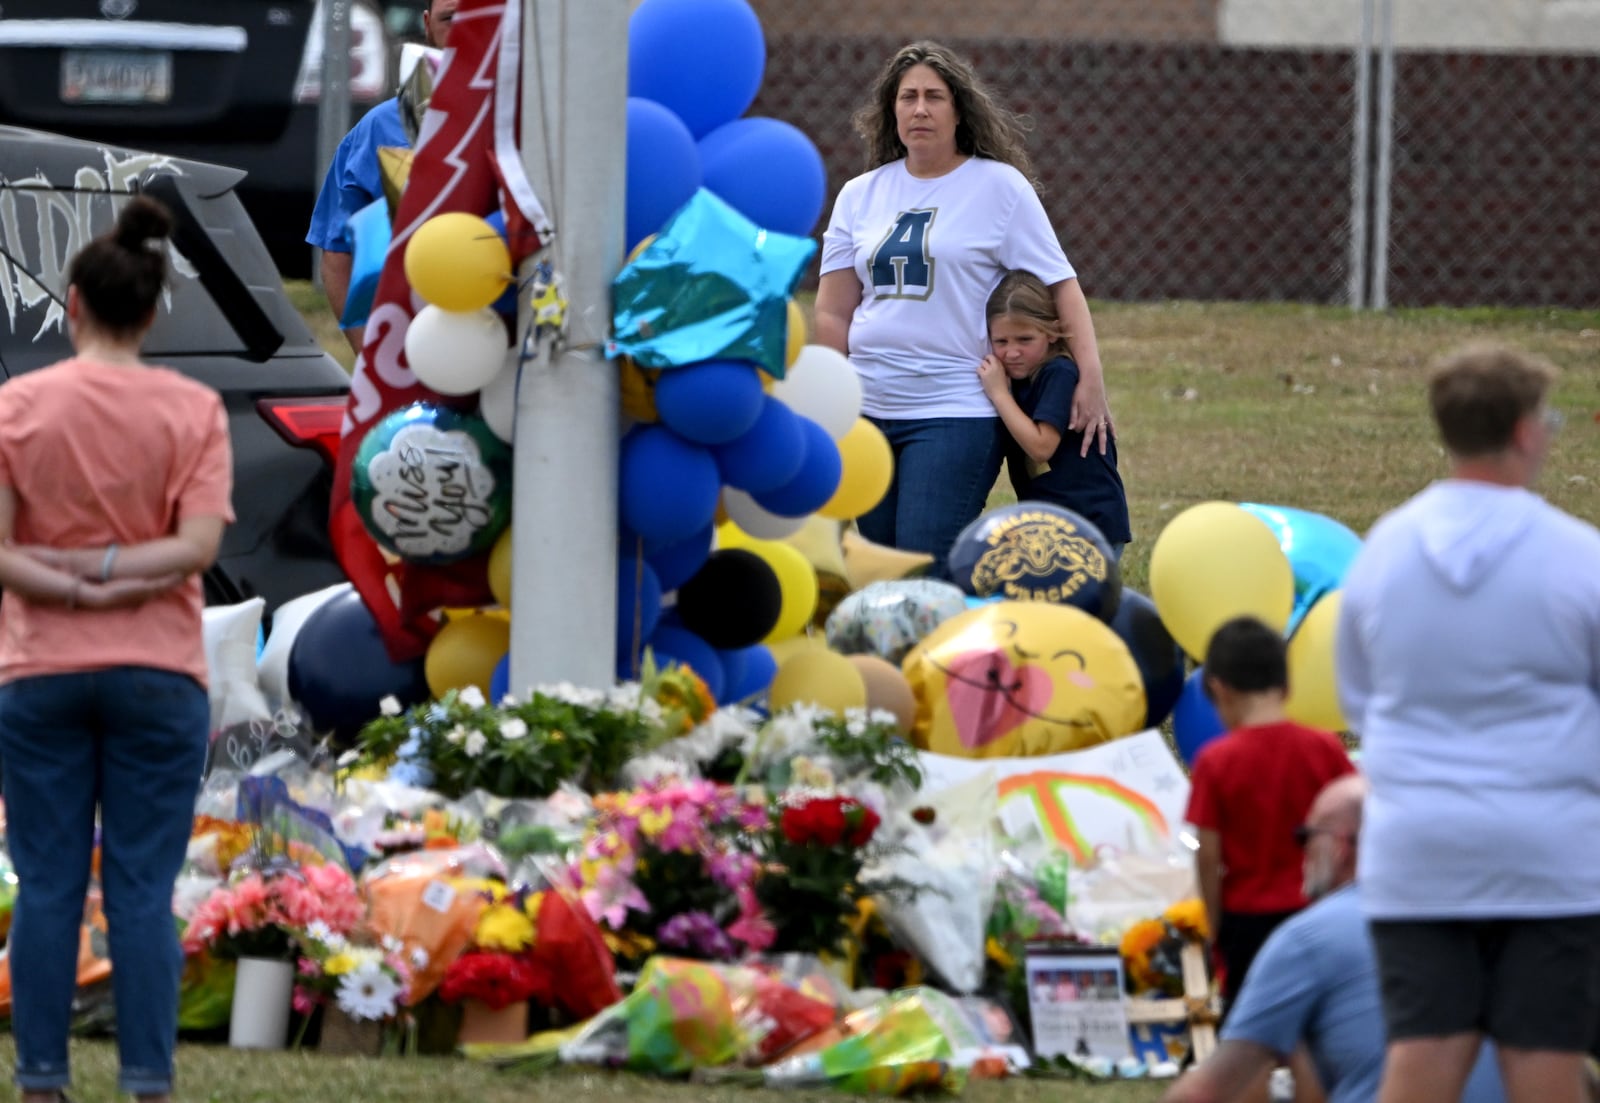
[(354, 179), (1315, 984)]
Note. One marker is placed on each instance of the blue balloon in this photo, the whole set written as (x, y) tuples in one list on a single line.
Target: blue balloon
[(339, 669), (1159, 658), (1194, 718), (713, 402), (677, 563), (1320, 551), (749, 671), (638, 603), (768, 171), (663, 168), (814, 483), (506, 304), (669, 486), (704, 59), (767, 456), (673, 643), (500, 680), (1035, 551)]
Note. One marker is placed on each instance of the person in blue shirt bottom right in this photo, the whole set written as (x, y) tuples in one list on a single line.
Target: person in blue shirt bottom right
[(1314, 986), (1031, 381)]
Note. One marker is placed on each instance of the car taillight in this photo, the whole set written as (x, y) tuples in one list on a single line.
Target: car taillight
[(306, 422), (369, 58)]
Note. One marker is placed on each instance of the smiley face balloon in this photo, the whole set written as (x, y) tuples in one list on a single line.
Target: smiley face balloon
[(1020, 678)]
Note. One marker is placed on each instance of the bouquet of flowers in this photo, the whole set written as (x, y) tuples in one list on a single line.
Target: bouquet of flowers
[(861, 744), (516, 749), (1152, 949), (364, 980), (257, 913), (811, 885), (667, 866), (498, 969)]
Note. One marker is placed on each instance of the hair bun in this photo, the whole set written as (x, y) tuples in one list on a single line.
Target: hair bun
[(141, 220)]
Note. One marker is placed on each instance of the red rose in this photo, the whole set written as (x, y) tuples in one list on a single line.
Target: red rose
[(863, 823)]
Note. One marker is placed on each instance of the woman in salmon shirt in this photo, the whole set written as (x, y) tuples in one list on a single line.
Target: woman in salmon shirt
[(115, 479)]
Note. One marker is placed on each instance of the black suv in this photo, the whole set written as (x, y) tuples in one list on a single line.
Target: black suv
[(224, 321), (233, 82)]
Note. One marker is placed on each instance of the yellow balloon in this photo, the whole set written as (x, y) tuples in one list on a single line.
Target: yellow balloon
[(867, 469), (866, 562), (1019, 678), (1313, 686), (500, 569), (638, 390), (797, 579), (797, 334), (784, 650), (730, 535), (1214, 562), (457, 261), (825, 679), (465, 653)]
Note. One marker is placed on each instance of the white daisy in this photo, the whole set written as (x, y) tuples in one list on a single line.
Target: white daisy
[(319, 931), (419, 958), (390, 706), (513, 728), (455, 735), (472, 697), (392, 945), (368, 992), (476, 742)]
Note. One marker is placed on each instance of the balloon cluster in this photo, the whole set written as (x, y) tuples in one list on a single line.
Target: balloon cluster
[(1218, 560), (724, 459)]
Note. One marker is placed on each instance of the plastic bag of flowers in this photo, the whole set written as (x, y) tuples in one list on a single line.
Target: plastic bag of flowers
[(430, 901)]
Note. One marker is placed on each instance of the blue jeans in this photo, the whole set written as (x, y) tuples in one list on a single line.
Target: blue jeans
[(944, 468), (131, 740)]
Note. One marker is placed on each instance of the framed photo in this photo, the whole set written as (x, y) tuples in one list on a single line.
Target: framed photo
[(1075, 996)]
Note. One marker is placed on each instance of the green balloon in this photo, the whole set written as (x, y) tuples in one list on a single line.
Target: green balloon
[(432, 485)]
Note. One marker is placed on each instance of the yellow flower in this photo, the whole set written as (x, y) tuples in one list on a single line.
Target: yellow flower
[(628, 944), (531, 907), (502, 927), (339, 964), (997, 954), (654, 821), (1189, 916)]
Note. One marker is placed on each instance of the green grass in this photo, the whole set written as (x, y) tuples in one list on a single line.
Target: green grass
[(1321, 408), (216, 1074)]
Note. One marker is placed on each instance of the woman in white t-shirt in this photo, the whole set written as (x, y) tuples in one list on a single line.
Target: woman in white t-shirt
[(913, 249)]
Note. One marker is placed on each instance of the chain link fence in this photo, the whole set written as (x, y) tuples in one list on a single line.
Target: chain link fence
[(1252, 149)]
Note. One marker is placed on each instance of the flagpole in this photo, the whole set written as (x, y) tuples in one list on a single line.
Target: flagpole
[(564, 497)]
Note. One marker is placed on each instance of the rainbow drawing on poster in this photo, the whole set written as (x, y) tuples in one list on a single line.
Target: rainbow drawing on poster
[(1126, 796)]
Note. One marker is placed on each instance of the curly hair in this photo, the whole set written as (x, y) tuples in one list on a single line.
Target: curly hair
[(985, 129)]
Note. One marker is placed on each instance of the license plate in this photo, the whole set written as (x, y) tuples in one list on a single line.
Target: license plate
[(111, 76)]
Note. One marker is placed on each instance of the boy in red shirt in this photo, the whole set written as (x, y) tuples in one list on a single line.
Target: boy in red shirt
[(1250, 790)]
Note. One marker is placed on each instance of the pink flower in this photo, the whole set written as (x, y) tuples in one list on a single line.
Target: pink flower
[(611, 896), (309, 968), (303, 1002), (752, 927)]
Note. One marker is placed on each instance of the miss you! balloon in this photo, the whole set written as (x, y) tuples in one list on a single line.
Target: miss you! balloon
[(432, 485)]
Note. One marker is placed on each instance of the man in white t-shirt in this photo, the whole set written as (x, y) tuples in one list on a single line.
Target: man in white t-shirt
[(1469, 663)]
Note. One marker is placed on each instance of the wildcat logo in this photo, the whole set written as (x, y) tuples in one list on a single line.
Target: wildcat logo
[(33, 269), (1037, 556), (902, 265)]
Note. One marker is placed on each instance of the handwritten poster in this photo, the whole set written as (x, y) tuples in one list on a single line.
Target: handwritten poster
[(1123, 797)]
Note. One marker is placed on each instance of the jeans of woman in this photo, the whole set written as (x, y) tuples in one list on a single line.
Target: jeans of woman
[(944, 468), (132, 741)]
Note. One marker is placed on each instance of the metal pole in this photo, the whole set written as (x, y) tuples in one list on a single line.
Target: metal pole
[(1361, 162), (1380, 215), (564, 498), (333, 104)]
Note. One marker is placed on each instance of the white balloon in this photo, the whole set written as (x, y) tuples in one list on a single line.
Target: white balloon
[(497, 402), (455, 353), (823, 386), (743, 511)]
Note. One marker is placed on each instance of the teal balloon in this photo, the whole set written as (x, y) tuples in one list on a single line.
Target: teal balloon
[(432, 484), (712, 286), (1319, 549)]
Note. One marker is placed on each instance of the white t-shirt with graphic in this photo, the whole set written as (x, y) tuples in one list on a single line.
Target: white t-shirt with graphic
[(928, 253)]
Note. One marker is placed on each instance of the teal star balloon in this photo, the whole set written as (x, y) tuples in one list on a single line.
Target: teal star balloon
[(712, 286)]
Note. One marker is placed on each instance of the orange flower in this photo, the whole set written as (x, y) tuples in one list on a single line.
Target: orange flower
[(1189, 916)]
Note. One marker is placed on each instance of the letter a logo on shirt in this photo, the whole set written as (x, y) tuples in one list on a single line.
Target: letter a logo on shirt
[(902, 267)]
